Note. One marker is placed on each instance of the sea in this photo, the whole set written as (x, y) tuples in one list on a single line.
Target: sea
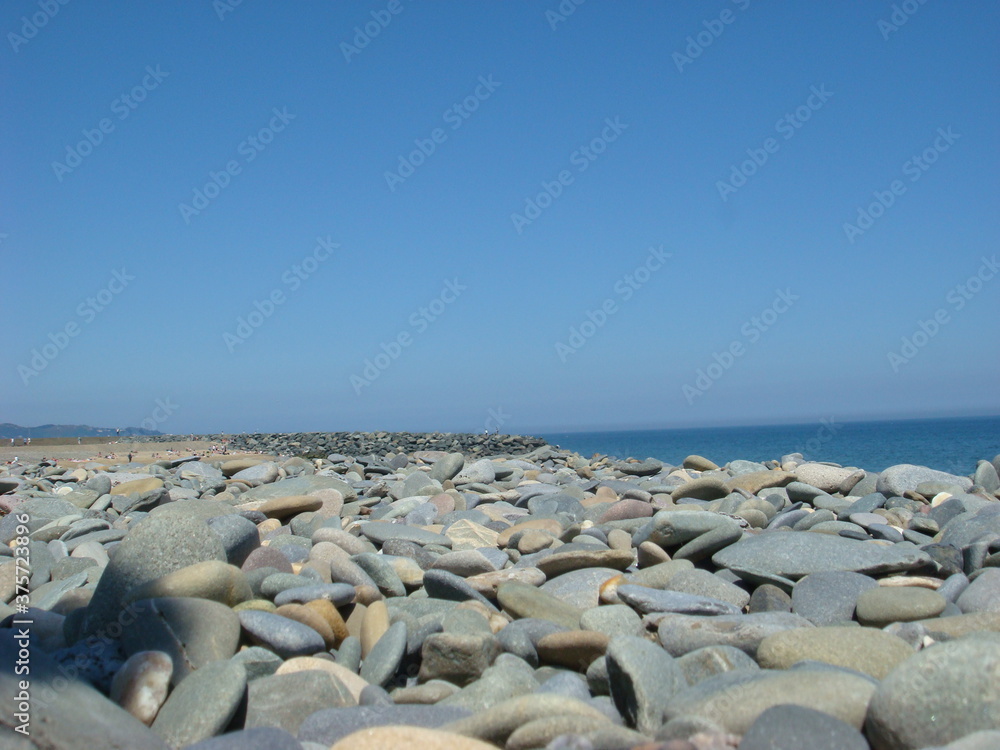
[(954, 445)]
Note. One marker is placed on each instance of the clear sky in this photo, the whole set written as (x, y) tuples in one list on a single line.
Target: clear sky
[(418, 215)]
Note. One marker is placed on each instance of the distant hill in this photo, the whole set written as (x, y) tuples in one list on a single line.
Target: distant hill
[(8, 430)]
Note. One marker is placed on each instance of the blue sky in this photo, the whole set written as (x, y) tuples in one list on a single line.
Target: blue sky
[(388, 200)]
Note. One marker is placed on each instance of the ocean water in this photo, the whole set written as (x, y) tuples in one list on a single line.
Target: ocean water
[(952, 445)]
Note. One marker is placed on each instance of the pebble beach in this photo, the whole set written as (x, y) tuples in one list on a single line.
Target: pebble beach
[(442, 591)]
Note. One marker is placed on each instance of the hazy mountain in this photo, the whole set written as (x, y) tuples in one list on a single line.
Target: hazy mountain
[(8, 430)]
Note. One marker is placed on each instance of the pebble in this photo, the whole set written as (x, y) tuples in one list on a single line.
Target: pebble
[(385, 656), (739, 590), (573, 649), (680, 634), (643, 679), (456, 657), (881, 606), (202, 705), (735, 700), (790, 727), (141, 685), (286, 700), (798, 555), (828, 597), (867, 650), (522, 600), (408, 738), (940, 695), (285, 637)]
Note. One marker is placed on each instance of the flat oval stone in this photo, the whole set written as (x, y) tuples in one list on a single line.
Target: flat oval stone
[(680, 634), (380, 532), (340, 594), (867, 650), (797, 554), (574, 649), (521, 600), (884, 605), (285, 637), (735, 700), (290, 505), (385, 656), (645, 600), (212, 579), (563, 562)]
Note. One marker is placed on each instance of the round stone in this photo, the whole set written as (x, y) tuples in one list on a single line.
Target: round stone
[(867, 650), (574, 649), (941, 694), (141, 685), (202, 705), (884, 605), (285, 637)]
